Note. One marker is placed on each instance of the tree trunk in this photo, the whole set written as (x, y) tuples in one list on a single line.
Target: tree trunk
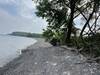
[(72, 5)]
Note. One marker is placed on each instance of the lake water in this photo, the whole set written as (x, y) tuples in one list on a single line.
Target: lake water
[(10, 47)]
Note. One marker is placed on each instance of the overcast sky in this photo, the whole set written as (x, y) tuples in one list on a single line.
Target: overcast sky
[(18, 15)]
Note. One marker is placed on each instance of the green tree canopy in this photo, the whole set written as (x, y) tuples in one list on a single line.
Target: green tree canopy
[(62, 13)]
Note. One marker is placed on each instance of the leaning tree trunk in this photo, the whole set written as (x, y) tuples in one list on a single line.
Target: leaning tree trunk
[(88, 20)]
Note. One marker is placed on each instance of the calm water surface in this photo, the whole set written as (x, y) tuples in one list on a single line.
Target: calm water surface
[(10, 47)]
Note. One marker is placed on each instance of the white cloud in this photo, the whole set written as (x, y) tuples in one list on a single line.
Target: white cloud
[(26, 8), (9, 23)]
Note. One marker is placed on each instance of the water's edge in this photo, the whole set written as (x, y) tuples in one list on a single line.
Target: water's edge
[(8, 53), (11, 63)]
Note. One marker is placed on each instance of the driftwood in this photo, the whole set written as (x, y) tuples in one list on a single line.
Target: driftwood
[(73, 49), (97, 59)]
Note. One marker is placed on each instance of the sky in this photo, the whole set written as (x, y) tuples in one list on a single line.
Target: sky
[(19, 15)]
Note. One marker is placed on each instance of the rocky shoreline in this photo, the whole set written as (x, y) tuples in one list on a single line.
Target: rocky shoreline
[(44, 59)]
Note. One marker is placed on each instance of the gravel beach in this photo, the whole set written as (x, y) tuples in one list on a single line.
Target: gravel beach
[(44, 59)]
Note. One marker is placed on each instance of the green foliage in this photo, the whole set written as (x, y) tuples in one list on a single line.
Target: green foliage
[(93, 44), (90, 46), (53, 12), (51, 34)]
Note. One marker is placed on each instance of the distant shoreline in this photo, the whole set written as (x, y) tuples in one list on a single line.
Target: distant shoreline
[(26, 34)]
